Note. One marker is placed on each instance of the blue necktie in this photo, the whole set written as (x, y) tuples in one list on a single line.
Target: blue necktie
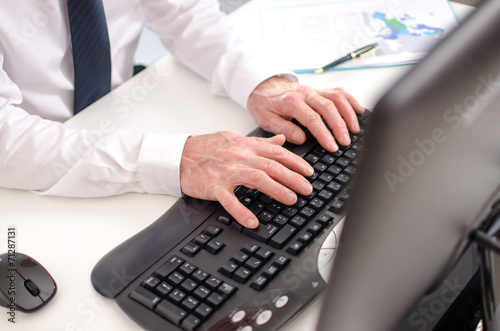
[(91, 55)]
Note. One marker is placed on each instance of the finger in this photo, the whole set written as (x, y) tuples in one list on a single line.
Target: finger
[(344, 107), (279, 125), (283, 156), (314, 122), (234, 207), (328, 110), (262, 181), (285, 177)]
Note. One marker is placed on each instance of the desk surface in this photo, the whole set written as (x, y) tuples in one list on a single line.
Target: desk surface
[(69, 235)]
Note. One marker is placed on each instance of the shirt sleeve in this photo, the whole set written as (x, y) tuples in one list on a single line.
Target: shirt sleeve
[(202, 38), (51, 159)]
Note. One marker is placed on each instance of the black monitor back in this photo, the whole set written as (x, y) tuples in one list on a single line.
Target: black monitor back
[(430, 173)]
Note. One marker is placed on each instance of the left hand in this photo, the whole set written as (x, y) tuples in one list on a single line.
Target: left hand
[(277, 100)]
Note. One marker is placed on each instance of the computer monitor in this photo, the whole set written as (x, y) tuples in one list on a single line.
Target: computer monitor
[(429, 175)]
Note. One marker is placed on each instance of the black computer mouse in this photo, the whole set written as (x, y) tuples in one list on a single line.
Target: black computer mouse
[(24, 284)]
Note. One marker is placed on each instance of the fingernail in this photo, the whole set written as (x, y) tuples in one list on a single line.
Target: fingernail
[(290, 198), (307, 188), (332, 146), (355, 126), (309, 171), (296, 137), (252, 223), (345, 139)]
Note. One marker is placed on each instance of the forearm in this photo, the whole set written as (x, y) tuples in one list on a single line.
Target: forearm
[(203, 39), (52, 159)]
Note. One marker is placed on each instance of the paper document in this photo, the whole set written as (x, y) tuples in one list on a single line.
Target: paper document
[(311, 35)]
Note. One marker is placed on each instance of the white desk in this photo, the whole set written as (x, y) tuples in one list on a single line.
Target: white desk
[(69, 235)]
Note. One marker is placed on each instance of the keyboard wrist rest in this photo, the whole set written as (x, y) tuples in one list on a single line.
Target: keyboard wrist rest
[(122, 265)]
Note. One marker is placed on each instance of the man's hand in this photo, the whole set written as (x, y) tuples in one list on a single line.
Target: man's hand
[(212, 166), (276, 101)]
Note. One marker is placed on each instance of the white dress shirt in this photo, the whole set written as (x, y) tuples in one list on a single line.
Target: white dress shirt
[(39, 153)]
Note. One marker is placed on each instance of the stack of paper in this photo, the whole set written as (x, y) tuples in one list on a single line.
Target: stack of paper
[(311, 35)]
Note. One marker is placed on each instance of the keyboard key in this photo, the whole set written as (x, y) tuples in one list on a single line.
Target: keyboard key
[(187, 269), (305, 238), (188, 286), (169, 266), (214, 246), (151, 282), (190, 249), (316, 203), (226, 289), (315, 228), (326, 177), (203, 311), (325, 219), (334, 170), (213, 230), (237, 226), (144, 297), (170, 312), (213, 282), (175, 278), (176, 296), (265, 217), (281, 262), (275, 207), (300, 203), (290, 212), (318, 185), (242, 275), (215, 300), (253, 264), (295, 248), (325, 195), (225, 219), (201, 239), (342, 162), (228, 268), (307, 212), (256, 207), (282, 237), (335, 187), (200, 275), (280, 220), (250, 248), (271, 271), (336, 207), (189, 304), (311, 158), (259, 283), (298, 221), (351, 154), (240, 257), (343, 178), (191, 323), (328, 159), (163, 289), (264, 254), (320, 167), (262, 233), (201, 292)]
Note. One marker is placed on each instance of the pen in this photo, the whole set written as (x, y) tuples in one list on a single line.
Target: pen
[(357, 53)]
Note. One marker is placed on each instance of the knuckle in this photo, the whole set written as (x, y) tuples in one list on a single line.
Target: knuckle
[(312, 118), (257, 176)]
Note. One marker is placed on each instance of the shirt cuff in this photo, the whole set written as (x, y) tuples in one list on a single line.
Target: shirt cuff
[(253, 72), (159, 163)]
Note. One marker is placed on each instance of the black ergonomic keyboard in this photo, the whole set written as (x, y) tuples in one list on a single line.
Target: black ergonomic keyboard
[(195, 268)]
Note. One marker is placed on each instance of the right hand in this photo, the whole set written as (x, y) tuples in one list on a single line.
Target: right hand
[(213, 165)]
